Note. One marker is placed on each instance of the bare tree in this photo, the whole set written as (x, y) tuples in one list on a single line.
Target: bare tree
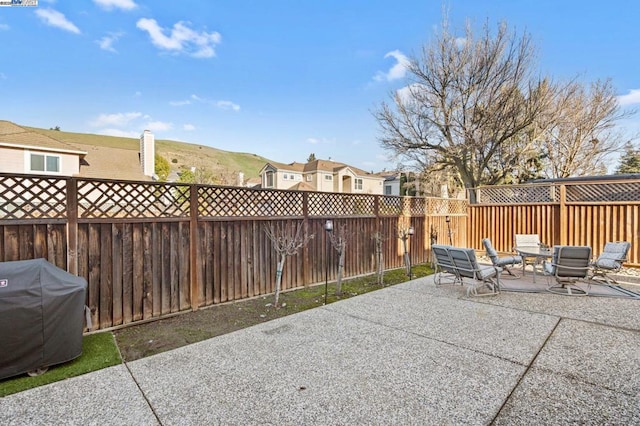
[(286, 241), (379, 238), (404, 234), (338, 240), (580, 130), (467, 104)]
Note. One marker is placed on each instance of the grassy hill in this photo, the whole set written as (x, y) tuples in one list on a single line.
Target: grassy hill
[(180, 155)]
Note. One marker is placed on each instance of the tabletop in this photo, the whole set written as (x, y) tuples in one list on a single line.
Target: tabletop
[(534, 251)]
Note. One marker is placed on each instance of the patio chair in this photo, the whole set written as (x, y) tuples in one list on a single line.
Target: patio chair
[(528, 240), (444, 265), (568, 265), (610, 261), (466, 264), (502, 262)]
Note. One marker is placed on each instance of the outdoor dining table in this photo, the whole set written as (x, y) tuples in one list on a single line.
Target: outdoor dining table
[(537, 253)]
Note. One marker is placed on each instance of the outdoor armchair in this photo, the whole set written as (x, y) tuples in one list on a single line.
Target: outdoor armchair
[(527, 240), (466, 264), (610, 261), (445, 269), (568, 265), (502, 262)]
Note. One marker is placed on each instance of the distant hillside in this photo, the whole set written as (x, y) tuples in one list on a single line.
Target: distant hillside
[(179, 154)]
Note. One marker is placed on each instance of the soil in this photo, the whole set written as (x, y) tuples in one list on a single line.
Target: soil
[(147, 339)]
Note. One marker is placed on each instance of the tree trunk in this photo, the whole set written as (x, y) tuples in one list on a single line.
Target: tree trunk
[(379, 265), (407, 261), (279, 269), (340, 269)]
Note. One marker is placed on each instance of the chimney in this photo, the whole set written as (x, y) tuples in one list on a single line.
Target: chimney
[(147, 153)]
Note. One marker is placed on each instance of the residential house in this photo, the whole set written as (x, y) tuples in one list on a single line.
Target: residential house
[(322, 176), (27, 151), (392, 183)]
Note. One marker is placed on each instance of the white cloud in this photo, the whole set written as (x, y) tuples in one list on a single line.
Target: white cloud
[(398, 71), (106, 42), (228, 105), (409, 93), (56, 19), (3, 76), (222, 104), (633, 97), (179, 103), (119, 119), (461, 42), (189, 127), (120, 133), (137, 94), (315, 141), (181, 39), (116, 4), (158, 126), (4, 27)]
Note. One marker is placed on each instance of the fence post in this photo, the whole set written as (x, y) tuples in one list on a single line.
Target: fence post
[(72, 226), (194, 244), (562, 222)]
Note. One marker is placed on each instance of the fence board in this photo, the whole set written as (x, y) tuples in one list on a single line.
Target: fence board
[(93, 278), (127, 272), (117, 274), (106, 276)]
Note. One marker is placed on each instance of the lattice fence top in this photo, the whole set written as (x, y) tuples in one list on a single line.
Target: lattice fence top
[(390, 206), (32, 197), (116, 199), (576, 192), (517, 194), (28, 197), (333, 204), (244, 202), (604, 192), (445, 206)]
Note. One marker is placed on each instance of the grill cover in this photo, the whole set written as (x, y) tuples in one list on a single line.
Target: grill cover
[(41, 316)]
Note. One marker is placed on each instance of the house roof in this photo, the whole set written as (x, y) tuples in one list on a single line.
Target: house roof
[(95, 161), (319, 165), (111, 163), (12, 135), (302, 186)]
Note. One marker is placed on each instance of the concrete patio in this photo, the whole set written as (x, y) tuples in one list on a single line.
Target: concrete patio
[(409, 354)]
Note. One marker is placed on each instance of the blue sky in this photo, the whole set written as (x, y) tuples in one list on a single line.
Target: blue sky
[(279, 78)]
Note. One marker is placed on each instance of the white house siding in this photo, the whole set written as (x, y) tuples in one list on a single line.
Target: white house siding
[(17, 160)]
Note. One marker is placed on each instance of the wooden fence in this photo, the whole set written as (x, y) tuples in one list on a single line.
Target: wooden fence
[(149, 250), (570, 213)]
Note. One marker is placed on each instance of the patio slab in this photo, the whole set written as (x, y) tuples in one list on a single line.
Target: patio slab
[(105, 397), (512, 334), (325, 367), (408, 354), (547, 398)]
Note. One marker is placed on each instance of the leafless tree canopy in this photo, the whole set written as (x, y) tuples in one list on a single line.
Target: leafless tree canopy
[(580, 130), (473, 106)]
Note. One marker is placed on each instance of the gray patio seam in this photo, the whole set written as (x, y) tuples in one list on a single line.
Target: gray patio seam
[(144, 395), (528, 367)]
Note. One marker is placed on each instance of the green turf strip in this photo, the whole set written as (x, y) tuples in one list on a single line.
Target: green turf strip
[(98, 351)]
